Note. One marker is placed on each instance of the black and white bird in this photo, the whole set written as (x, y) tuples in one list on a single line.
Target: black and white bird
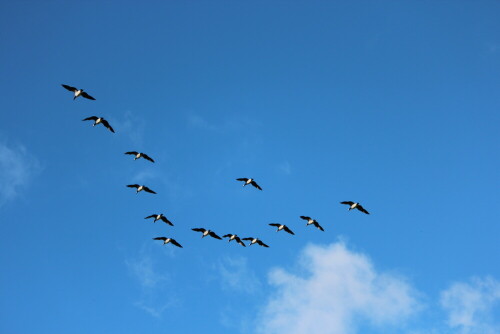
[(249, 181), (255, 241), (353, 205), (141, 188), (206, 232), (160, 217), (78, 92), (140, 155), (168, 240), (311, 221), (234, 237), (282, 227), (98, 120)]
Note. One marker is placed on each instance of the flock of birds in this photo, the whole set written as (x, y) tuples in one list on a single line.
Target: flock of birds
[(246, 181)]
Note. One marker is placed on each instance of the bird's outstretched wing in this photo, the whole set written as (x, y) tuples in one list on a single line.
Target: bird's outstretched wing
[(347, 202), (227, 236), (199, 229), (249, 238), (238, 240), (71, 89), (152, 216), (288, 230), (106, 124), (213, 235), (175, 243), (274, 224), (133, 186), (318, 226), (131, 152), (261, 243), (242, 179), (146, 189), (360, 208), (91, 118), (164, 219), (160, 238), (87, 96), (256, 185), (305, 217), (145, 156)]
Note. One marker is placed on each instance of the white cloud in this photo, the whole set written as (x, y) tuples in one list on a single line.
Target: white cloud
[(470, 306), (236, 275), (154, 297), (17, 168), (285, 168), (132, 126), (232, 123), (334, 290), (196, 121)]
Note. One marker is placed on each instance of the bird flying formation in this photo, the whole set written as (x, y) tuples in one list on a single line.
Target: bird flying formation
[(160, 217), (282, 227), (249, 181), (141, 188), (353, 205), (99, 120), (311, 221), (168, 240), (140, 155), (246, 181), (206, 232), (255, 241), (78, 92), (235, 238)]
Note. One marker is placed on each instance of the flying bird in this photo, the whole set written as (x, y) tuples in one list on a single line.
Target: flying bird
[(255, 241), (234, 237), (78, 92), (160, 217), (140, 155), (249, 181), (311, 221), (141, 188), (353, 205), (282, 227), (168, 240), (98, 120), (206, 232)]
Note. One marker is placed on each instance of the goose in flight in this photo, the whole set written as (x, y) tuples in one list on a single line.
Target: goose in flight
[(255, 241), (141, 188), (160, 217), (282, 227), (98, 120), (168, 240), (353, 205), (206, 232), (234, 237), (78, 92), (313, 222), (249, 181), (140, 155)]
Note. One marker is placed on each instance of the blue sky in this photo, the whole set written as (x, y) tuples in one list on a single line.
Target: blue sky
[(393, 104)]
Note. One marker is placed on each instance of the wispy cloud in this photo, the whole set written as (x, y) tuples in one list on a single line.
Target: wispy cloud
[(493, 47), (132, 126), (285, 168), (228, 124), (155, 297), (333, 289), (237, 276), (470, 306), (17, 168)]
